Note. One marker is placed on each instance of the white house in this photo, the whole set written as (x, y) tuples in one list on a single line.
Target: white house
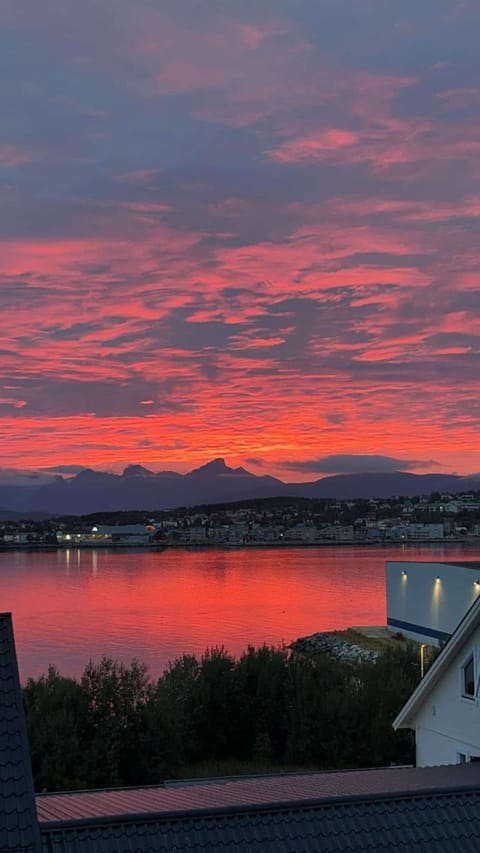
[(427, 600), (444, 710)]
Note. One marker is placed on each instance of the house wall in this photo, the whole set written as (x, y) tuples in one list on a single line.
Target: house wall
[(448, 724), (423, 608)]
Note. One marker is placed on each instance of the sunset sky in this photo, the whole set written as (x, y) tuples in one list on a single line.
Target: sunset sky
[(240, 228)]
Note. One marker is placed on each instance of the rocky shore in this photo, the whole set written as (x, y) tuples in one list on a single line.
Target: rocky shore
[(330, 643)]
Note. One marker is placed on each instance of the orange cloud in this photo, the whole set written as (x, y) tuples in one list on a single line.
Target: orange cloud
[(250, 232)]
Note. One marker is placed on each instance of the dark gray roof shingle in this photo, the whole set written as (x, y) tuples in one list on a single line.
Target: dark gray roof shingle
[(19, 829), (424, 823), (216, 793)]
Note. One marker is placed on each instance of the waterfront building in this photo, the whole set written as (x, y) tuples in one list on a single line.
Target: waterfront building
[(427, 600), (107, 535)]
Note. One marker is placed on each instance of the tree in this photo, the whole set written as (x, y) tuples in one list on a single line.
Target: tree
[(116, 698), (216, 704), (156, 752), (318, 711), (176, 694), (381, 689), (56, 714), (262, 713)]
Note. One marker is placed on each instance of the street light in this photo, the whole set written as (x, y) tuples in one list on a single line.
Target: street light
[(422, 660)]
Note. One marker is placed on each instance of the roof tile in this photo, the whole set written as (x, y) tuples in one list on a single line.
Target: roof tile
[(18, 819), (426, 823), (247, 791)]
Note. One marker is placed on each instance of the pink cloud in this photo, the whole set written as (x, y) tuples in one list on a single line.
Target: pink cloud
[(180, 58), (12, 401), (314, 146), (11, 155)]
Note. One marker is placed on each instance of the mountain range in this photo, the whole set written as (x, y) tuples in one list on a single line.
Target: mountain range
[(138, 488)]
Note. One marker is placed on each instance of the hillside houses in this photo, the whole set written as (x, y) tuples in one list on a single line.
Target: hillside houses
[(325, 522), (282, 521)]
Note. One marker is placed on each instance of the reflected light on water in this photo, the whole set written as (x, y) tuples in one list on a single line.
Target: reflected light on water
[(71, 605)]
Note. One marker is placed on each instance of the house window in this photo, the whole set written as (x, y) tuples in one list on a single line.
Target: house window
[(468, 678), (461, 758)]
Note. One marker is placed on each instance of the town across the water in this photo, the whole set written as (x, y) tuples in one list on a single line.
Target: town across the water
[(270, 522)]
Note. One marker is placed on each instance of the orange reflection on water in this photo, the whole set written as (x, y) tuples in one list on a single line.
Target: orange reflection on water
[(69, 606)]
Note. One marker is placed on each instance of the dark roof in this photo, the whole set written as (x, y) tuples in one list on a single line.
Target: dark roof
[(464, 564), (439, 822), (18, 821), (231, 793)]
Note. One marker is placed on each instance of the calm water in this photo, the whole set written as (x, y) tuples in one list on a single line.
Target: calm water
[(69, 606)]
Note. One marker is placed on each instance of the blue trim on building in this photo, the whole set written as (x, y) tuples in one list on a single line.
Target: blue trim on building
[(418, 629)]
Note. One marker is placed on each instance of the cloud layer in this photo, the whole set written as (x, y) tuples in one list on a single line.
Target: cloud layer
[(349, 463), (246, 230)]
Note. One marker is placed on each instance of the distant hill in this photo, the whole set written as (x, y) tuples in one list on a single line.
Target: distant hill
[(138, 488), (383, 485), (27, 515)]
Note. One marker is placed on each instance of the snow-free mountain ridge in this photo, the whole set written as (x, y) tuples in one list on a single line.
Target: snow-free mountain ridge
[(215, 482)]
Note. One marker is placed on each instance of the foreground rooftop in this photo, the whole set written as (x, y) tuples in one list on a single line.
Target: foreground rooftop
[(289, 789), (429, 810)]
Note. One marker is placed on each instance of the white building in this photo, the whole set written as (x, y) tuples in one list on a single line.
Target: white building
[(301, 533), (427, 600), (102, 534), (425, 531), (444, 710)]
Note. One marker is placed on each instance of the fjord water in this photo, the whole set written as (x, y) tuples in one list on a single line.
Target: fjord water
[(70, 606)]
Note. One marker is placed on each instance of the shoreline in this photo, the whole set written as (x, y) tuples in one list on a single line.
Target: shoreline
[(204, 546)]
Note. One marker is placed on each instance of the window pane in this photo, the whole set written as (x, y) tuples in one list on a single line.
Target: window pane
[(468, 678)]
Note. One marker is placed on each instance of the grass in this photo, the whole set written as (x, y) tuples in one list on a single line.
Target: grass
[(380, 644), (374, 644)]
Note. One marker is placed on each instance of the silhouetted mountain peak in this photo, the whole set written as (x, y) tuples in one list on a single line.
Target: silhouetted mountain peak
[(213, 468), (88, 475), (214, 482), (136, 471)]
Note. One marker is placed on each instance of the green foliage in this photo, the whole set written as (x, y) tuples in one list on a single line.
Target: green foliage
[(380, 691), (262, 709), (268, 708), (116, 696), (176, 692), (215, 704), (317, 711), (56, 713), (156, 750)]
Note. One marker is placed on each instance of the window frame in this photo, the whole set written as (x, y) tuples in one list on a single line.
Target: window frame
[(466, 694)]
